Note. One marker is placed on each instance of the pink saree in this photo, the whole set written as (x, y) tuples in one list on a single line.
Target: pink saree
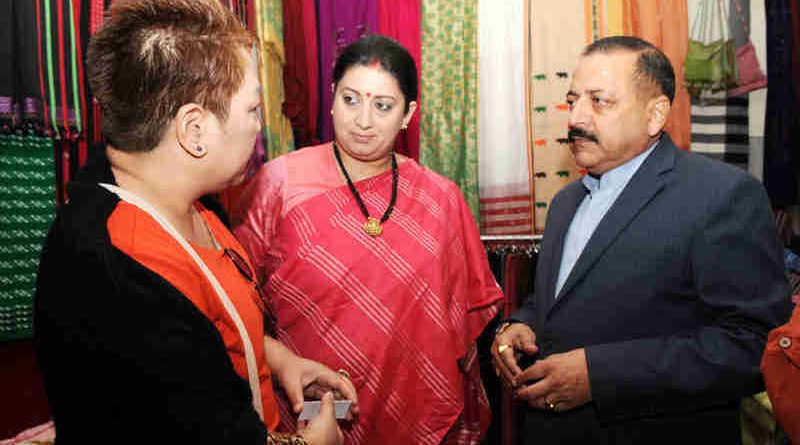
[(400, 312)]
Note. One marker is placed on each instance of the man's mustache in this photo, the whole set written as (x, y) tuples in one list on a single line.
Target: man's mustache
[(580, 133)]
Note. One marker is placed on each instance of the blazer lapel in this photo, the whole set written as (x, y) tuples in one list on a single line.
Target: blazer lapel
[(643, 186)]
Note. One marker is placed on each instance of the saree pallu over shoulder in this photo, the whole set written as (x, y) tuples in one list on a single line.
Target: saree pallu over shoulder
[(400, 312)]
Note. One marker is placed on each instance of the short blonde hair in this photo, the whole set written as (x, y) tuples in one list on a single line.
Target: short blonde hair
[(151, 57)]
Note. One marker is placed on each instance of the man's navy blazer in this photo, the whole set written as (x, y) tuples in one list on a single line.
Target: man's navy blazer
[(672, 299)]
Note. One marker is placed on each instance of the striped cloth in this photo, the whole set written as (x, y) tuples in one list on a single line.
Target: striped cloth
[(400, 312), (720, 128), (44, 434)]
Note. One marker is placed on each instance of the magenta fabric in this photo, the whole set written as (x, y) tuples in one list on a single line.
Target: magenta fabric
[(401, 20), (312, 65), (340, 23)]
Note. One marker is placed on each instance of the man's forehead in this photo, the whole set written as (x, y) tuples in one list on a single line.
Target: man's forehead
[(603, 71)]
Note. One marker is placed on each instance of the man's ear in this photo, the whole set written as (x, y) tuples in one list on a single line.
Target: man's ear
[(658, 110), (189, 126)]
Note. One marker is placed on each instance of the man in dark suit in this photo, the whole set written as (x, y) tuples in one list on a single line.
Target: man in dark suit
[(659, 277)]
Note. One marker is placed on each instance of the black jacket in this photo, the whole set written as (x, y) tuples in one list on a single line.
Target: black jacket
[(125, 356)]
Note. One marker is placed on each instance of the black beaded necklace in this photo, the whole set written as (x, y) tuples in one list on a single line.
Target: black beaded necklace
[(373, 225)]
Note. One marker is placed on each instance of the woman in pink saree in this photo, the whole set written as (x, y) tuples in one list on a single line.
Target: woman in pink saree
[(374, 264)]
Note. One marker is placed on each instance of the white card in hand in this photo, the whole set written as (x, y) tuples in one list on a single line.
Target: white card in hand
[(311, 409)]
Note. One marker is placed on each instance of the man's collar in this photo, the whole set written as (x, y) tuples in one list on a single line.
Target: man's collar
[(622, 172)]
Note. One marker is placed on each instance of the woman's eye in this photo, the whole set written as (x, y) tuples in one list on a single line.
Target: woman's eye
[(350, 100), (383, 106)]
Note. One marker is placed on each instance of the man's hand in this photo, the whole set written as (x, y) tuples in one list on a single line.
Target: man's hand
[(557, 383), (517, 339)]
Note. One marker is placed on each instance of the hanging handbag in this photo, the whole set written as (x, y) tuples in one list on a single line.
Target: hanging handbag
[(710, 63), (751, 77)]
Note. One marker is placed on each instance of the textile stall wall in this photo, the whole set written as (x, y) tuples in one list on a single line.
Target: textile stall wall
[(491, 117), (493, 77)]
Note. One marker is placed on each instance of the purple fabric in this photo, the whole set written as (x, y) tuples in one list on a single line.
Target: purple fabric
[(340, 23), (5, 105)]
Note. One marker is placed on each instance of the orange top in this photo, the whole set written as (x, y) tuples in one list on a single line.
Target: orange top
[(136, 233)]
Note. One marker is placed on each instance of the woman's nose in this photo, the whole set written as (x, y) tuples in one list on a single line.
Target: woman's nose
[(364, 117)]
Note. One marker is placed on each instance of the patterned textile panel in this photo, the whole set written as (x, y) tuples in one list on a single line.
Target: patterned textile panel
[(27, 206), (449, 93), (558, 35)]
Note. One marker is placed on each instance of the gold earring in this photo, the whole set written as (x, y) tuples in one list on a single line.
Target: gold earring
[(404, 126)]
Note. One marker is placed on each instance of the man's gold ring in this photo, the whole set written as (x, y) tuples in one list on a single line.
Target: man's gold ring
[(344, 373), (550, 406), (502, 348)]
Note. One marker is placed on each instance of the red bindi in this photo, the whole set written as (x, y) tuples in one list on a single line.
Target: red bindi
[(369, 94)]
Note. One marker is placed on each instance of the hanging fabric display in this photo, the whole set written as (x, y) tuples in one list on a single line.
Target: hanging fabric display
[(751, 77), (27, 207), (341, 22), (277, 130), (710, 64), (401, 21), (665, 23), (20, 101), (720, 122), (557, 38), (513, 263), (449, 93), (503, 149), (720, 128), (301, 70), (62, 84)]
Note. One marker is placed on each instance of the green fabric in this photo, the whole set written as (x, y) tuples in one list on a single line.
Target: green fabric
[(27, 207), (277, 129), (51, 89), (74, 65), (449, 93)]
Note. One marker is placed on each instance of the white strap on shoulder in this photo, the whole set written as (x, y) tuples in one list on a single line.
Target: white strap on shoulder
[(250, 357)]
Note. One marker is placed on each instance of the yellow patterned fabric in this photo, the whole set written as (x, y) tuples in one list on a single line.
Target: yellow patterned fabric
[(277, 129), (449, 93)]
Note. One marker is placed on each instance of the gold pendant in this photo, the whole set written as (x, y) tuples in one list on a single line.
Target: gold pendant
[(373, 227)]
